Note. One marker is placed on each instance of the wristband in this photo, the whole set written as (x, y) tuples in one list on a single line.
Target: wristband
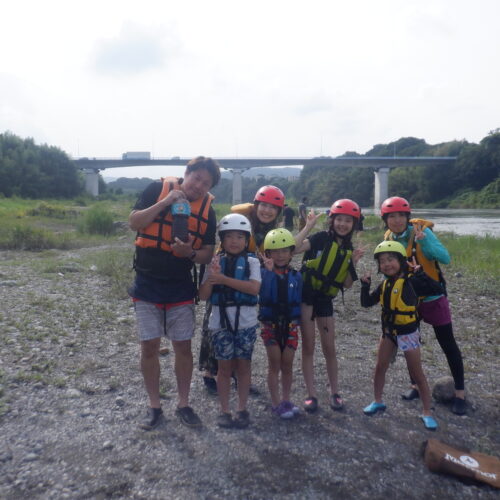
[(193, 255)]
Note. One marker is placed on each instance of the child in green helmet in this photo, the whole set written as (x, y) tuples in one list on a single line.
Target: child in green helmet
[(279, 301), (399, 296)]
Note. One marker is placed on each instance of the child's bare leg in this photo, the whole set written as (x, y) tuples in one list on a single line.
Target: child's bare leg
[(417, 374), (287, 372), (326, 327), (385, 352), (224, 383), (273, 371), (244, 374), (307, 328)]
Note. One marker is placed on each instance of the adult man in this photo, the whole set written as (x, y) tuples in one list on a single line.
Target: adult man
[(302, 213), (163, 290), (288, 216)]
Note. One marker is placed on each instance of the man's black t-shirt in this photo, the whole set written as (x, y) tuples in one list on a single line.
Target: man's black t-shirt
[(176, 285)]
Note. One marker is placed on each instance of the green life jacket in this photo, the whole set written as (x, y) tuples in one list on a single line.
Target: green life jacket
[(327, 272)]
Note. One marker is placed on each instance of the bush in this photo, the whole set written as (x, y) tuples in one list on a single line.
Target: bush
[(97, 220), (29, 238), (46, 210)]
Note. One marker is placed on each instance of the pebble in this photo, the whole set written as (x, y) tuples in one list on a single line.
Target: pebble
[(73, 393)]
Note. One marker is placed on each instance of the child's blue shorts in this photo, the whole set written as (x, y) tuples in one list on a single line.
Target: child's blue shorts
[(238, 345)]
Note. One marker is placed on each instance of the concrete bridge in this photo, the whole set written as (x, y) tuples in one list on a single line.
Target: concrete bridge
[(380, 164)]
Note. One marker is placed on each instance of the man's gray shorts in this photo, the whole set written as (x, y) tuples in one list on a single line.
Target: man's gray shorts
[(177, 322)]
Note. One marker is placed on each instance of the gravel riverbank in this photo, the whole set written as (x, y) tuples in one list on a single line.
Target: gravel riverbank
[(72, 395)]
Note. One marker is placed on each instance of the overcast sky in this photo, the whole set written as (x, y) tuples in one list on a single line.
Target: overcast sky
[(259, 78)]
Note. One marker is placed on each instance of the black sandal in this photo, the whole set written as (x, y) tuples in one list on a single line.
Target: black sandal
[(311, 404), (410, 395)]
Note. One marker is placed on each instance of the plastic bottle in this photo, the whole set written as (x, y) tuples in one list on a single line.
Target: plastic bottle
[(180, 215)]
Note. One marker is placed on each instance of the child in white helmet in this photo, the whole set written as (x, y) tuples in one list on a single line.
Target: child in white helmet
[(232, 284)]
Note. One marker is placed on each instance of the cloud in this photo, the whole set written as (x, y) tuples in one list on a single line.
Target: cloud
[(315, 102), (136, 50)]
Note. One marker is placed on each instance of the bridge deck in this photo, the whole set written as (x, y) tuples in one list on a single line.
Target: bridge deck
[(246, 163)]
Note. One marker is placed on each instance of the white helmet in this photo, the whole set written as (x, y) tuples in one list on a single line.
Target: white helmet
[(234, 222)]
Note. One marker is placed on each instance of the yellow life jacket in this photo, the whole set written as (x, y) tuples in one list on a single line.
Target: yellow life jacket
[(430, 267), (397, 316), (327, 272), (159, 233)]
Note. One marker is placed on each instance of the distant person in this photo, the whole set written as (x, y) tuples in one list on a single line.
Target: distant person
[(360, 223), (163, 290), (419, 241), (288, 216), (302, 213)]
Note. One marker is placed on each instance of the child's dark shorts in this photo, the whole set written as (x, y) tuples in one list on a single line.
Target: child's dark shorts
[(268, 335), (435, 312), (322, 304)]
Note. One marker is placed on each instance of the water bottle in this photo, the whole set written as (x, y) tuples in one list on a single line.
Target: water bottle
[(180, 215)]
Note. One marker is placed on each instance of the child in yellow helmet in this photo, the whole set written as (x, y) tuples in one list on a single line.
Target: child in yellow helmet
[(399, 295)]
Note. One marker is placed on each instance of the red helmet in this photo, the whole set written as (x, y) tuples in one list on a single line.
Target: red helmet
[(345, 207), (271, 195), (394, 204)]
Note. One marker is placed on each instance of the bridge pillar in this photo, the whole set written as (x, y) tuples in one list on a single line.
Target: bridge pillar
[(381, 187), (237, 194), (91, 181)]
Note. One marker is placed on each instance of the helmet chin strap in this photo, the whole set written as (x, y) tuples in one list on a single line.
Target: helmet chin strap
[(281, 267)]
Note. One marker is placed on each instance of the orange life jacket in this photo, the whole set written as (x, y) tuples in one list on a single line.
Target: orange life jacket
[(430, 267), (159, 233)]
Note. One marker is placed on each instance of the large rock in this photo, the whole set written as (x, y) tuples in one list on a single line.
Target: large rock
[(443, 390)]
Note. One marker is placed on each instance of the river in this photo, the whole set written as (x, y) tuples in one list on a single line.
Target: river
[(458, 221)]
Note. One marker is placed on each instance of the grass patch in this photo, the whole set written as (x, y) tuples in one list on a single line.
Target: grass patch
[(477, 258), (97, 220), (116, 266)]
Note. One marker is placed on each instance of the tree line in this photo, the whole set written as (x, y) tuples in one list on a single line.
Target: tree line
[(31, 171), (472, 181)]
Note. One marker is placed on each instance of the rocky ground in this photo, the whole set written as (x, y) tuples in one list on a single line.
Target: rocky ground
[(71, 396)]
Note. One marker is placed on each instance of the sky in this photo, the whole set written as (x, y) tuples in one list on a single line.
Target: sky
[(231, 78)]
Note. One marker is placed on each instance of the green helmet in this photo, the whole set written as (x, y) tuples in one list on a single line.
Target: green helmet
[(278, 238), (389, 246)]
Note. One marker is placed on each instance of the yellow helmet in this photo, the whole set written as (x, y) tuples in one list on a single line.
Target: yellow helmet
[(389, 246), (279, 238)]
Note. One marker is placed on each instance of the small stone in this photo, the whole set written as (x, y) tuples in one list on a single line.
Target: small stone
[(31, 457), (444, 390), (458, 275), (107, 445), (8, 283), (5, 456), (73, 393), (119, 402)]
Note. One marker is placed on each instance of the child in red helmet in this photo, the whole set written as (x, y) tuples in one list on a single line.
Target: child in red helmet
[(421, 243), (329, 267)]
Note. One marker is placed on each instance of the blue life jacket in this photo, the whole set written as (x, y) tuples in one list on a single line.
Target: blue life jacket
[(280, 295), (238, 268)]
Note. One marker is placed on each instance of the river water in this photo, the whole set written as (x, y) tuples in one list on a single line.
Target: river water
[(459, 221)]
